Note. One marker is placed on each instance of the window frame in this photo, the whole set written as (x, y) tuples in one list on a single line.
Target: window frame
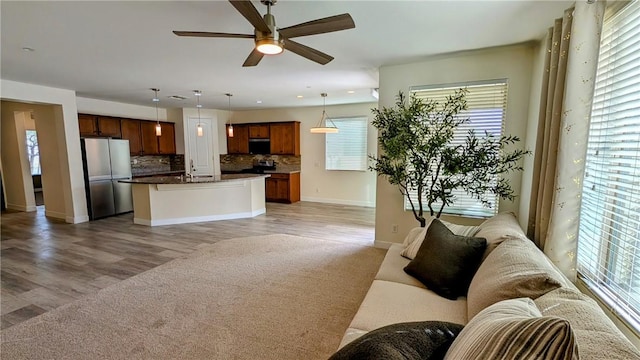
[(477, 210)]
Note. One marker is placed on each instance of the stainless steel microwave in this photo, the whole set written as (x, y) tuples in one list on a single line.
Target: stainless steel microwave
[(259, 146)]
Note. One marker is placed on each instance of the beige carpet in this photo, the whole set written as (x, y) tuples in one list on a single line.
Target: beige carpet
[(263, 297)]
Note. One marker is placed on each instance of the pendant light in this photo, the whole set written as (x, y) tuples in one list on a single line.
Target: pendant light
[(156, 100), (230, 127), (323, 126), (199, 129)]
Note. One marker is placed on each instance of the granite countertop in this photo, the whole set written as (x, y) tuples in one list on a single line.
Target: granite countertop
[(195, 180), (157, 173), (265, 171)]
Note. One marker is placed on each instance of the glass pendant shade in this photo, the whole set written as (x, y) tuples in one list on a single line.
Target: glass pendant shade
[(156, 100), (230, 127), (199, 129), (325, 125)]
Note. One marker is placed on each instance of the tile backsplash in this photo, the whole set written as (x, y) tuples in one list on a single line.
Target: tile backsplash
[(237, 162), (156, 164)]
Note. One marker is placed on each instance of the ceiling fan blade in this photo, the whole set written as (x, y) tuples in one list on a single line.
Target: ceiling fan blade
[(319, 26), (253, 59), (212, 34), (307, 52), (246, 8)]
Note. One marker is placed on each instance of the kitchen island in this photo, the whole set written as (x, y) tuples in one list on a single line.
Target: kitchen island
[(167, 200)]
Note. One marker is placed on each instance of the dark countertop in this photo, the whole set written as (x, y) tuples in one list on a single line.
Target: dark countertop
[(195, 180), (162, 173), (265, 172)]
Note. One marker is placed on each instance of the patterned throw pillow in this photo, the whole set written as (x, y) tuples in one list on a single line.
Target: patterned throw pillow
[(514, 329), (423, 340)]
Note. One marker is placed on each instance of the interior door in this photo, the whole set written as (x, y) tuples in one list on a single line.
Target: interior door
[(200, 162)]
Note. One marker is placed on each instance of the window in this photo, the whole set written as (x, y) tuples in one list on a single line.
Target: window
[(347, 149), (609, 230), (486, 109), (33, 151)]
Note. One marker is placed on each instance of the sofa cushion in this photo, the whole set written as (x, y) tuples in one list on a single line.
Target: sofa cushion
[(414, 239), (596, 335), (514, 329), (446, 262), (516, 268), (499, 228), (389, 303), (402, 341), (392, 268)]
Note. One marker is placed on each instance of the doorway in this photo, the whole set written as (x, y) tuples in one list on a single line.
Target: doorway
[(200, 161)]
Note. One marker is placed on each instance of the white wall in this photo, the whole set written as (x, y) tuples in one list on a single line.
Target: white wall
[(513, 63), (67, 136), (316, 183)]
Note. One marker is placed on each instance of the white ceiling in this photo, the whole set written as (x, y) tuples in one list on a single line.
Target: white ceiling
[(117, 50)]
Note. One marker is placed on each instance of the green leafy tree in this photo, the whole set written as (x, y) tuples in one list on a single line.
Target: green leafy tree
[(418, 153)]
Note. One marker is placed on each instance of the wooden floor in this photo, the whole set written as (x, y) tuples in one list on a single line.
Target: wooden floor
[(47, 263)]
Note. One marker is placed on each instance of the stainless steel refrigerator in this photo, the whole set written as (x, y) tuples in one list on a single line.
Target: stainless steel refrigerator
[(106, 161)]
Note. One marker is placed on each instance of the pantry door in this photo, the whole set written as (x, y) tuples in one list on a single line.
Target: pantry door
[(200, 157)]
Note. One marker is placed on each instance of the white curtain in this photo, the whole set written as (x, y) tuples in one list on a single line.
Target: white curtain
[(561, 236)]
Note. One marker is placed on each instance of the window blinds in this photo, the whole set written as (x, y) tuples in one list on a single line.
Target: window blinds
[(347, 149), (609, 232), (486, 110)]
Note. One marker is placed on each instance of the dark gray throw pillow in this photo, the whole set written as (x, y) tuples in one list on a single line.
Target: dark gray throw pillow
[(446, 262), (422, 340)]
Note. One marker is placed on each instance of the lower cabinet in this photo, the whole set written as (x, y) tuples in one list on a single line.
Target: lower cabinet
[(283, 188)]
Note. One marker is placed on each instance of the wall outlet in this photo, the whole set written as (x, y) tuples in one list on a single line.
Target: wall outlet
[(317, 190), (394, 228), (135, 161)]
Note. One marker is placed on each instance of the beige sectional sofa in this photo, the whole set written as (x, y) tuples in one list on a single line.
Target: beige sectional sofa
[(513, 267)]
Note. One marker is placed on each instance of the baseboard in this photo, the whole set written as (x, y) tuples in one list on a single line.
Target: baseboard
[(76, 219), (25, 208), (382, 244), (195, 219), (55, 214), (339, 201)]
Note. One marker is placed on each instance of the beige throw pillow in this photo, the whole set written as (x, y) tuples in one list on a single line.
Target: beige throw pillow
[(514, 329), (503, 226), (516, 268)]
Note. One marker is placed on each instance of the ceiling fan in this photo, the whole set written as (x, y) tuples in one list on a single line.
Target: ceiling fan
[(270, 40)]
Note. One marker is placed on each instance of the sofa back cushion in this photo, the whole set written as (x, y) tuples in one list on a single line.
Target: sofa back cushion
[(499, 228), (596, 335), (516, 268), (514, 330)]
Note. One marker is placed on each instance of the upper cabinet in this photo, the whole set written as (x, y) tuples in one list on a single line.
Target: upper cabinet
[(239, 143), (285, 138), (95, 125), (259, 131), (140, 133), (131, 132), (167, 141)]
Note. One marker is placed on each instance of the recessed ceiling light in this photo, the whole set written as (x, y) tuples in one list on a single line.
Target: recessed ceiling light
[(350, 92), (299, 96), (259, 101), (28, 49)]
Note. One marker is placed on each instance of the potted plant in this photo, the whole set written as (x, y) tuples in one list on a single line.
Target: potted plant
[(418, 154)]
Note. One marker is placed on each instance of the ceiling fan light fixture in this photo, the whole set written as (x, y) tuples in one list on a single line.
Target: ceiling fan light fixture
[(269, 46)]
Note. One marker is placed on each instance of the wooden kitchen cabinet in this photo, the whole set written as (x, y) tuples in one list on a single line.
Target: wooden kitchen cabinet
[(285, 138), (88, 125), (149, 138), (283, 188), (259, 131), (94, 125), (131, 131), (167, 141), (239, 143), (109, 126)]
